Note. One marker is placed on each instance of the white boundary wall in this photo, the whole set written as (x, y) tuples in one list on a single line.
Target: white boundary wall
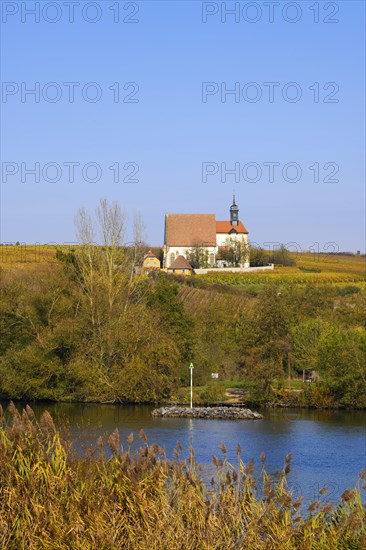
[(233, 269)]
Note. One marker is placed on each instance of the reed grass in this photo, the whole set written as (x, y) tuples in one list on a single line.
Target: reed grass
[(119, 499)]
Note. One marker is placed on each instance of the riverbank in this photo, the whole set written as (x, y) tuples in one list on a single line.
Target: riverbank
[(239, 393), (131, 500), (249, 403), (231, 413)]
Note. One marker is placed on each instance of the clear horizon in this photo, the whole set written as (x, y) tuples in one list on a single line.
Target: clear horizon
[(171, 106)]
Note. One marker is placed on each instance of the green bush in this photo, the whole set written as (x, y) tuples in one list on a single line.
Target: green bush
[(348, 290)]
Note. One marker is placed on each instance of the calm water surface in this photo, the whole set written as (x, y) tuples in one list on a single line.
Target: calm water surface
[(328, 447)]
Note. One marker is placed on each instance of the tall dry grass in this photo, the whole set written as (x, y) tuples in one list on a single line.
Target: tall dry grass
[(50, 499)]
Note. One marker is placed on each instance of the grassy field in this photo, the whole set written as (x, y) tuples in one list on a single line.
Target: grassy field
[(339, 269), (33, 253), (46, 252), (313, 268)]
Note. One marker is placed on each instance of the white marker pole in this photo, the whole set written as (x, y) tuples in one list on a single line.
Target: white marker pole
[(191, 369)]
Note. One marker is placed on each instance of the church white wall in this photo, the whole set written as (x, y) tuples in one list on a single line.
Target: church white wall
[(245, 269), (172, 252)]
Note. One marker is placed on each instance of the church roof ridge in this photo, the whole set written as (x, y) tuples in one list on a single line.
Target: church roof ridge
[(181, 263), (225, 226), (190, 229)]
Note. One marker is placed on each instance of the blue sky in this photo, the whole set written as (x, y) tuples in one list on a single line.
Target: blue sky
[(169, 132)]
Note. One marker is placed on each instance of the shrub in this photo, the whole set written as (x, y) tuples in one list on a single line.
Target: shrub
[(282, 257), (310, 269), (348, 290), (212, 393)]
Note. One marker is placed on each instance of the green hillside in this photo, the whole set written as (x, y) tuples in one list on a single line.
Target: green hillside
[(79, 324)]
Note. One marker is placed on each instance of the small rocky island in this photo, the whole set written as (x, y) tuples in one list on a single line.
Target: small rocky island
[(230, 413)]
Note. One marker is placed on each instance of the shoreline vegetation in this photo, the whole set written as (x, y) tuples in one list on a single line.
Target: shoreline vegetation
[(234, 393), (124, 499), (169, 403), (165, 404), (83, 324)]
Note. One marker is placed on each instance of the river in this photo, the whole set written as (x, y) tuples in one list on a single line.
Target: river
[(328, 447)]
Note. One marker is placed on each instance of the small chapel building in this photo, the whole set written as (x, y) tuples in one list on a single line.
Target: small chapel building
[(186, 232)]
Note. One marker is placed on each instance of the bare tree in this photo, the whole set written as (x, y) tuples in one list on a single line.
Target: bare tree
[(138, 248), (108, 270), (111, 225), (139, 230), (86, 258), (84, 227), (138, 240)]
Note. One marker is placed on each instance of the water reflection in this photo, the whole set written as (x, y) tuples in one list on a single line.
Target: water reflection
[(328, 447)]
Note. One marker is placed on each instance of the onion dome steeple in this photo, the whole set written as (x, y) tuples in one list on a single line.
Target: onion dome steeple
[(234, 213)]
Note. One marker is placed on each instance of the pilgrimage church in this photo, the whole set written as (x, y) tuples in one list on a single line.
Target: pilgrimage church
[(186, 231)]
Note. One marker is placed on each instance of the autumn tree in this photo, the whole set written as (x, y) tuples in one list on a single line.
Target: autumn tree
[(235, 252), (198, 256), (264, 340), (258, 256), (342, 364), (305, 338)]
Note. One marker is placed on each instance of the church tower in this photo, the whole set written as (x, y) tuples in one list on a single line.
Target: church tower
[(234, 213)]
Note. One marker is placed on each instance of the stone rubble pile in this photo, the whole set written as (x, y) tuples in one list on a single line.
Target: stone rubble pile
[(207, 412)]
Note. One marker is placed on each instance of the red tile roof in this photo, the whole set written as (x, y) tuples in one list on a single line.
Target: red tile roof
[(150, 255), (181, 263), (190, 230), (226, 227)]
